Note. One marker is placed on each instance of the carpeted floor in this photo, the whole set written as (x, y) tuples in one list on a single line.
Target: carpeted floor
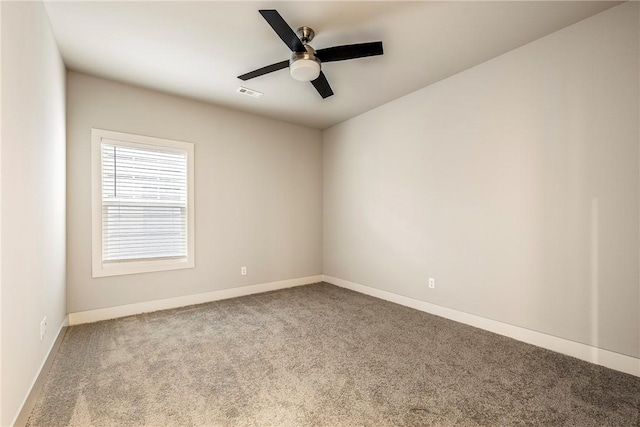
[(319, 355)]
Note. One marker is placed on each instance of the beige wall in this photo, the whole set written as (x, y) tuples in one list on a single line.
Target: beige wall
[(514, 184), (258, 198), (32, 197)]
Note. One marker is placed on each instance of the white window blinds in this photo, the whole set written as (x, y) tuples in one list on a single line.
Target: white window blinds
[(144, 203)]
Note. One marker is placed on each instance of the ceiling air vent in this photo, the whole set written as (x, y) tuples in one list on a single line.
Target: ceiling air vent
[(249, 92)]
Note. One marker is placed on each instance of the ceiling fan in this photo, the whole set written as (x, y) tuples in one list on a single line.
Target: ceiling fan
[(305, 63)]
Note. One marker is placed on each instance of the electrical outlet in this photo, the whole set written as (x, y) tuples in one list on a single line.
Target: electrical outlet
[(432, 283), (43, 328), (243, 271)]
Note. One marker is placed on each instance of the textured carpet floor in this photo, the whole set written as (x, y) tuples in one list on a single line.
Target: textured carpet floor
[(319, 355)]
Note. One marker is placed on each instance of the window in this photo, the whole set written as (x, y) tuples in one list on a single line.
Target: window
[(143, 216)]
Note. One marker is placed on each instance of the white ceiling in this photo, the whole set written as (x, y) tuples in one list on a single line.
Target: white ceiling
[(197, 49)]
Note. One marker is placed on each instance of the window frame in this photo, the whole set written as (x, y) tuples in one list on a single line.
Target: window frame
[(116, 268)]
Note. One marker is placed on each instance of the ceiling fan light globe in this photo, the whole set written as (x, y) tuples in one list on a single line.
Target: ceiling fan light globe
[(305, 70)]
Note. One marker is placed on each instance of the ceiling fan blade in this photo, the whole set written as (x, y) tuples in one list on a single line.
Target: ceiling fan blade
[(283, 30), (265, 70), (349, 51), (322, 86)]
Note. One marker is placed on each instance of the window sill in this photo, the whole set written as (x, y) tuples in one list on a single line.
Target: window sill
[(136, 267)]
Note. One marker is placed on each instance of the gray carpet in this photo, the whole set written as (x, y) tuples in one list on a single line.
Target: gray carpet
[(319, 355)]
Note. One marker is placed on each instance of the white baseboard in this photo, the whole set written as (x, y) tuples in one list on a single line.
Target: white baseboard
[(20, 418), (182, 301), (610, 359)]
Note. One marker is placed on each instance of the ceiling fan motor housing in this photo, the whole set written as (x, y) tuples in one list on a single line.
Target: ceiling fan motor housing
[(304, 66)]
